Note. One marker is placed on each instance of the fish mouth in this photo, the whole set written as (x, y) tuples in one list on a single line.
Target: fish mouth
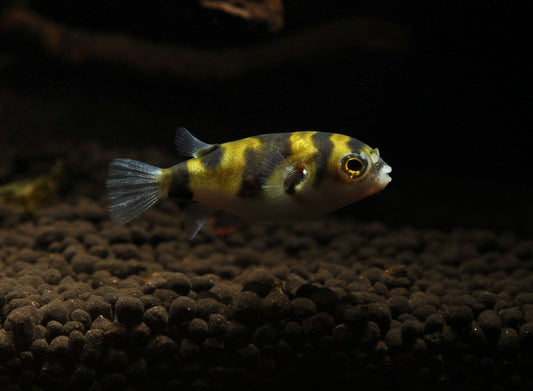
[(384, 177)]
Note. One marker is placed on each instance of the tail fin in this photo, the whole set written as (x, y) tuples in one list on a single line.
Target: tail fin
[(133, 187)]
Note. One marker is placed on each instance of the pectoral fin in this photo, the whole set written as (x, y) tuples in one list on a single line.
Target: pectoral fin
[(283, 177)]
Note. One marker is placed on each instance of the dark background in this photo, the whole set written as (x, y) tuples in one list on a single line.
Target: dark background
[(450, 111)]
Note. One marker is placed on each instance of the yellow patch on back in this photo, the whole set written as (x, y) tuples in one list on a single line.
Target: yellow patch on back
[(302, 145), (226, 177)]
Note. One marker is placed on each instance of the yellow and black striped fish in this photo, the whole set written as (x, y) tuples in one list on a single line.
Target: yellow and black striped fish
[(268, 177)]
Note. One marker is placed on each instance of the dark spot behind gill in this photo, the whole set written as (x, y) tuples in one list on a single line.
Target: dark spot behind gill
[(295, 177)]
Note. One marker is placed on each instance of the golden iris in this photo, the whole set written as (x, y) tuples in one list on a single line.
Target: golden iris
[(353, 165)]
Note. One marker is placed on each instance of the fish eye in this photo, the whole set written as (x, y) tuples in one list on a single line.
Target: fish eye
[(353, 165)]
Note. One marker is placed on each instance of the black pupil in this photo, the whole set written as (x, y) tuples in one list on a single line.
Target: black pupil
[(354, 164)]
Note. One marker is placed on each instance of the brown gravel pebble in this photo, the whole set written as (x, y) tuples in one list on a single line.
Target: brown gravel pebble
[(117, 305)]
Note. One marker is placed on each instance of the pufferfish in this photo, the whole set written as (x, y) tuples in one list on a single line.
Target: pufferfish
[(281, 176)]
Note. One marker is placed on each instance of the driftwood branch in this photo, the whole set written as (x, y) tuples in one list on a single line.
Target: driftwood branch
[(76, 46), (269, 12)]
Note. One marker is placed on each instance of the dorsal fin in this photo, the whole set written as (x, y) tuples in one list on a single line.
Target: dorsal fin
[(189, 146)]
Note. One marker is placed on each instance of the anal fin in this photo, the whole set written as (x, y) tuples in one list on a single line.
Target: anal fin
[(195, 217)]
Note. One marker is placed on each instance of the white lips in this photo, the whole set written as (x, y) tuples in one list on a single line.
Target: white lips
[(384, 175)]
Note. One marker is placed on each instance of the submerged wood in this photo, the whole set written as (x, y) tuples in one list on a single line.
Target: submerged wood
[(77, 46)]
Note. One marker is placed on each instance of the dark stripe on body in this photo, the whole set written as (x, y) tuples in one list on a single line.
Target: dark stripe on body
[(355, 145), (259, 164), (250, 186), (212, 158), (324, 147), (283, 144), (180, 182)]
